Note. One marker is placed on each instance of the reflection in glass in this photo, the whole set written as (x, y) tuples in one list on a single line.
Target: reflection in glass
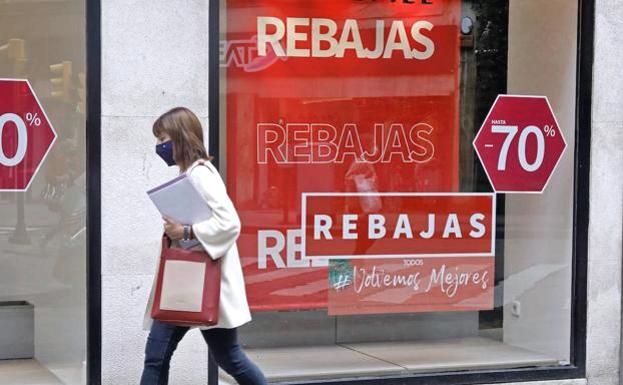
[(42, 230), (313, 101)]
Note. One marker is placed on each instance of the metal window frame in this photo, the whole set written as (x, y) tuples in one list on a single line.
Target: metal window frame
[(585, 54), (581, 213), (94, 193)]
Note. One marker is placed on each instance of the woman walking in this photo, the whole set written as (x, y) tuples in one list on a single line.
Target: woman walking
[(180, 143)]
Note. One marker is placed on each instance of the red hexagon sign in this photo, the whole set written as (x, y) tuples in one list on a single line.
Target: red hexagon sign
[(26, 135), (520, 144)]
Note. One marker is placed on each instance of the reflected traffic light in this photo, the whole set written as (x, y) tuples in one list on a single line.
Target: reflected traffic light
[(16, 52), (61, 85), (82, 93)]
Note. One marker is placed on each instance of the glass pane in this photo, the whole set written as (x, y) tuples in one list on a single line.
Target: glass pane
[(42, 193), (372, 234)]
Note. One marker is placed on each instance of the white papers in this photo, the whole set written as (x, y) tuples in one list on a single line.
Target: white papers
[(179, 200)]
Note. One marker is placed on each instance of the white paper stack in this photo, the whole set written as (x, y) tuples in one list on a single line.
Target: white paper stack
[(179, 200)]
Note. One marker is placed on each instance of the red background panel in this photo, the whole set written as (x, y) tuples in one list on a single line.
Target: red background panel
[(335, 91)]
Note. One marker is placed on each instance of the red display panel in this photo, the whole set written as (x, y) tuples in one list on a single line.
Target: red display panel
[(340, 96), (410, 285)]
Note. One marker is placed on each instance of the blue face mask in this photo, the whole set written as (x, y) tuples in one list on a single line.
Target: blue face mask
[(165, 150)]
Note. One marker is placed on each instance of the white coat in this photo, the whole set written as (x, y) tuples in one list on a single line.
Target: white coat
[(218, 237)]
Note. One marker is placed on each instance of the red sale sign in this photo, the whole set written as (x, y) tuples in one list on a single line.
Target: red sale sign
[(432, 252), (26, 135), (520, 144), (411, 225), (340, 96)]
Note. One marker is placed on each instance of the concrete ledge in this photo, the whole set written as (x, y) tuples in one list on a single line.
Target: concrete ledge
[(17, 334), (26, 372), (390, 358)]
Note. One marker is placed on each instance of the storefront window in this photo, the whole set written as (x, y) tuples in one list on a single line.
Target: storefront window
[(400, 214), (42, 193)]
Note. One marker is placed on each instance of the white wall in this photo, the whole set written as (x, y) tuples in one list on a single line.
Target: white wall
[(154, 57), (539, 228), (606, 189)]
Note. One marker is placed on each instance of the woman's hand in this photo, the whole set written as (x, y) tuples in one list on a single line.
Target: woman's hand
[(174, 230)]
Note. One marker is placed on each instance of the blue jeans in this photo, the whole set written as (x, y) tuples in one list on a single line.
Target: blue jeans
[(223, 343)]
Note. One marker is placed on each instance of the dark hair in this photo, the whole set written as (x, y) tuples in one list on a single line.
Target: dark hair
[(186, 133)]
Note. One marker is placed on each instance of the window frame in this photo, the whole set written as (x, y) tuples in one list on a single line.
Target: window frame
[(586, 16), (94, 193), (585, 54)]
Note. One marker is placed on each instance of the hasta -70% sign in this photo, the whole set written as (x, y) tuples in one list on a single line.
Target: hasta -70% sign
[(26, 135), (520, 144)]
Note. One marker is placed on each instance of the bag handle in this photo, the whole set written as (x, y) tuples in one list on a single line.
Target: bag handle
[(166, 242)]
